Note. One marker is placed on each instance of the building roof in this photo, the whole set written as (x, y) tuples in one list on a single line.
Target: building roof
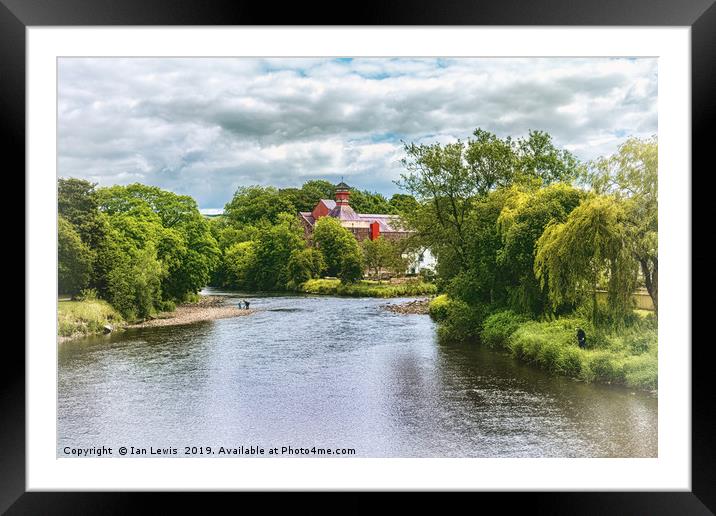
[(342, 186), (344, 212), (388, 223), (330, 203)]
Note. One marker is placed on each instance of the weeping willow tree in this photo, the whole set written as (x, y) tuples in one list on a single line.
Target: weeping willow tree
[(589, 250), (631, 175)]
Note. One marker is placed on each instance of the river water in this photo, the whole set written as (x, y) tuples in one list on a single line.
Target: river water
[(334, 373)]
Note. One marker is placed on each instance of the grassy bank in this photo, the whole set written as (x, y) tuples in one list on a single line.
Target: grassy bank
[(88, 317), (621, 356), (366, 288)]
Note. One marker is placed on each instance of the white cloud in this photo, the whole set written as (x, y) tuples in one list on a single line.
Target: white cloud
[(206, 126)]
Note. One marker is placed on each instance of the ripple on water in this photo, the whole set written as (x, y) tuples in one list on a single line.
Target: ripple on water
[(335, 372)]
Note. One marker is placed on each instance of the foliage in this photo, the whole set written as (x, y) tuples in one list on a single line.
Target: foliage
[(366, 288), (521, 223), (75, 318), (381, 254), (351, 267), (335, 242), (74, 259), (303, 265), (438, 307), (273, 249), (134, 284), (572, 257), (619, 357), (146, 248), (631, 175), (239, 265), (255, 204), (448, 179), (499, 327)]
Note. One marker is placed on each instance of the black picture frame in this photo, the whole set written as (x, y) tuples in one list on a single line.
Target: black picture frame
[(700, 15)]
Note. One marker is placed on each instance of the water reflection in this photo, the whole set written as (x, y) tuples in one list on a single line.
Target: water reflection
[(335, 372)]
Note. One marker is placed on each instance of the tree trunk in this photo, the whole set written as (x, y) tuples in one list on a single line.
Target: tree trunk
[(651, 280)]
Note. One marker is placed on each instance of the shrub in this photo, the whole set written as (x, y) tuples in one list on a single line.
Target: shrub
[(438, 307), (463, 322), (366, 288), (498, 328)]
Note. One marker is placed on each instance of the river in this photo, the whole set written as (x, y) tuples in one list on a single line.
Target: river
[(333, 373)]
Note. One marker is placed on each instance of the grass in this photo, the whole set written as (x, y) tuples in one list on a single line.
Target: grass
[(626, 356), (77, 318), (367, 288)]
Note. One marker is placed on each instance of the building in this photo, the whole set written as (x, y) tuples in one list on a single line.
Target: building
[(364, 226)]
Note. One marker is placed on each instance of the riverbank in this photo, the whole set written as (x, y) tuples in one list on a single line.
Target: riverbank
[(626, 356), (78, 319), (368, 288), (208, 308)]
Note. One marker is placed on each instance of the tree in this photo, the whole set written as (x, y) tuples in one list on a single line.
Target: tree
[(631, 175), (381, 254), (572, 257), (239, 264), (306, 197), (273, 250), (334, 241), (303, 265), (173, 225), (74, 259), (351, 266), (449, 179), (403, 203), (521, 223), (77, 202), (254, 204), (363, 201)]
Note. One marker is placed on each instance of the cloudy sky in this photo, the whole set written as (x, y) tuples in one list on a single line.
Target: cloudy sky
[(204, 127)]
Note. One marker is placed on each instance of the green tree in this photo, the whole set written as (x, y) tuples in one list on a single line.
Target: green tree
[(334, 242), (134, 285), (74, 259), (403, 203), (351, 269), (380, 254), (589, 248), (303, 265), (363, 201), (306, 197), (521, 223), (273, 250), (448, 179), (173, 225), (254, 204), (239, 262), (77, 202), (631, 175)]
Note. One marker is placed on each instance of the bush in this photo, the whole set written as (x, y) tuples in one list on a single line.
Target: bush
[(366, 288), (438, 307), (498, 328), (463, 322)]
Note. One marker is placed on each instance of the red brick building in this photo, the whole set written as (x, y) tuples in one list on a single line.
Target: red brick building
[(362, 225)]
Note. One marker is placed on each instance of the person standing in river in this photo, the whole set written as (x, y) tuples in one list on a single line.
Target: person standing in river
[(246, 304)]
